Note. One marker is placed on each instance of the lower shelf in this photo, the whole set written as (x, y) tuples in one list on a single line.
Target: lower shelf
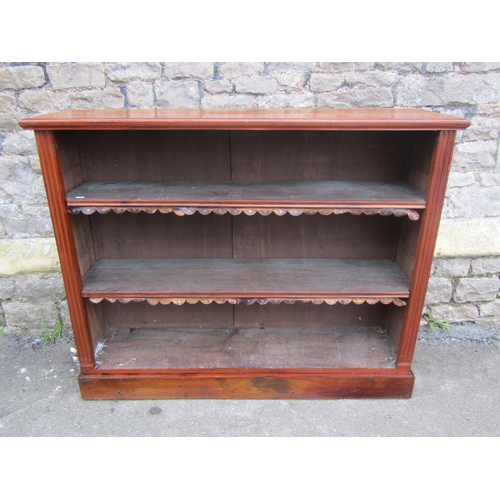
[(191, 348)]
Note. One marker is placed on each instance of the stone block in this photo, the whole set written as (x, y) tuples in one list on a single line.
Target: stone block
[(7, 287), (439, 290), (483, 128), (357, 98), (472, 201), (461, 179), (35, 164), (488, 109), (468, 237), (451, 268), (291, 66), (67, 76), (43, 101), (10, 121), (479, 67), (30, 318), (487, 265), (418, 90), (474, 155), (232, 70), (372, 78), (7, 102), (16, 177), (296, 100), (451, 313), (108, 98), (346, 66), (489, 179), (33, 222), (400, 67), (439, 67), (20, 143), (490, 309), (31, 255), (127, 71), (21, 77), (32, 287), (188, 69), (229, 101), (217, 86), (8, 211), (140, 94), (178, 94), (476, 289), (19, 184), (256, 85), (321, 82), (291, 81)]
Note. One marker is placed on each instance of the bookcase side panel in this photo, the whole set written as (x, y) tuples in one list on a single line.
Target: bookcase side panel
[(426, 242), (55, 188)]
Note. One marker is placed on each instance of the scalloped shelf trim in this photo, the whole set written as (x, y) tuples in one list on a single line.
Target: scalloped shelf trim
[(398, 212), (249, 301)]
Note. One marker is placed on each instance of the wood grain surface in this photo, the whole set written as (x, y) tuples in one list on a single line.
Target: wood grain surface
[(270, 347), (245, 278), (247, 119), (313, 194)]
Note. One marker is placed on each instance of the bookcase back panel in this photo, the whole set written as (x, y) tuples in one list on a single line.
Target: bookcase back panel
[(139, 155), (315, 236), (317, 155), (208, 155), (140, 314), (307, 314), (122, 236), (141, 236)]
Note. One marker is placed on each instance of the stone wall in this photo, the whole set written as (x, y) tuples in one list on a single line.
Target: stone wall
[(465, 281)]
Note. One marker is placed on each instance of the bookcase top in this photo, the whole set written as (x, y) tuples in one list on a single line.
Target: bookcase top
[(246, 119)]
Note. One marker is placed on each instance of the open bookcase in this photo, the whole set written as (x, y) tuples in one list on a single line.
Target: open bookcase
[(245, 253)]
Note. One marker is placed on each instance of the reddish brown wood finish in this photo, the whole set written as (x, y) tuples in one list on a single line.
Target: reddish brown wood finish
[(257, 385), (397, 146), (56, 195), (436, 188), (249, 119)]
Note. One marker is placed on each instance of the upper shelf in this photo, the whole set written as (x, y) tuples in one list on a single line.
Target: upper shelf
[(251, 197), (247, 119)]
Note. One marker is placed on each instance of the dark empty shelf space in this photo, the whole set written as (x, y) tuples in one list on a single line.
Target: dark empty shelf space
[(270, 347), (287, 194), (245, 278)]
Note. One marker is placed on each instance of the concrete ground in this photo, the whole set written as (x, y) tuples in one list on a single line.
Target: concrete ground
[(457, 393)]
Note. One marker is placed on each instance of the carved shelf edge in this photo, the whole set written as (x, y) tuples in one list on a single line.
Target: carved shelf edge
[(398, 212), (180, 301)]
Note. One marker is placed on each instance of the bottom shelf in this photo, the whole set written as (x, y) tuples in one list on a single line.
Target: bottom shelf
[(191, 348)]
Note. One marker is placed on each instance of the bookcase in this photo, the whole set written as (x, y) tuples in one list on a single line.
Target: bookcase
[(245, 253)]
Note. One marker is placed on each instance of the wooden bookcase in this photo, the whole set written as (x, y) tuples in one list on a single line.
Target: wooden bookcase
[(245, 253)]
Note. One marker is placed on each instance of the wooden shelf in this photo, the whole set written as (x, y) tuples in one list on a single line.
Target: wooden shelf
[(312, 194), (245, 278), (190, 348)]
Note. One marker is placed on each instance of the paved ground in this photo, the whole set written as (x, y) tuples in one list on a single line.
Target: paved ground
[(457, 393)]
